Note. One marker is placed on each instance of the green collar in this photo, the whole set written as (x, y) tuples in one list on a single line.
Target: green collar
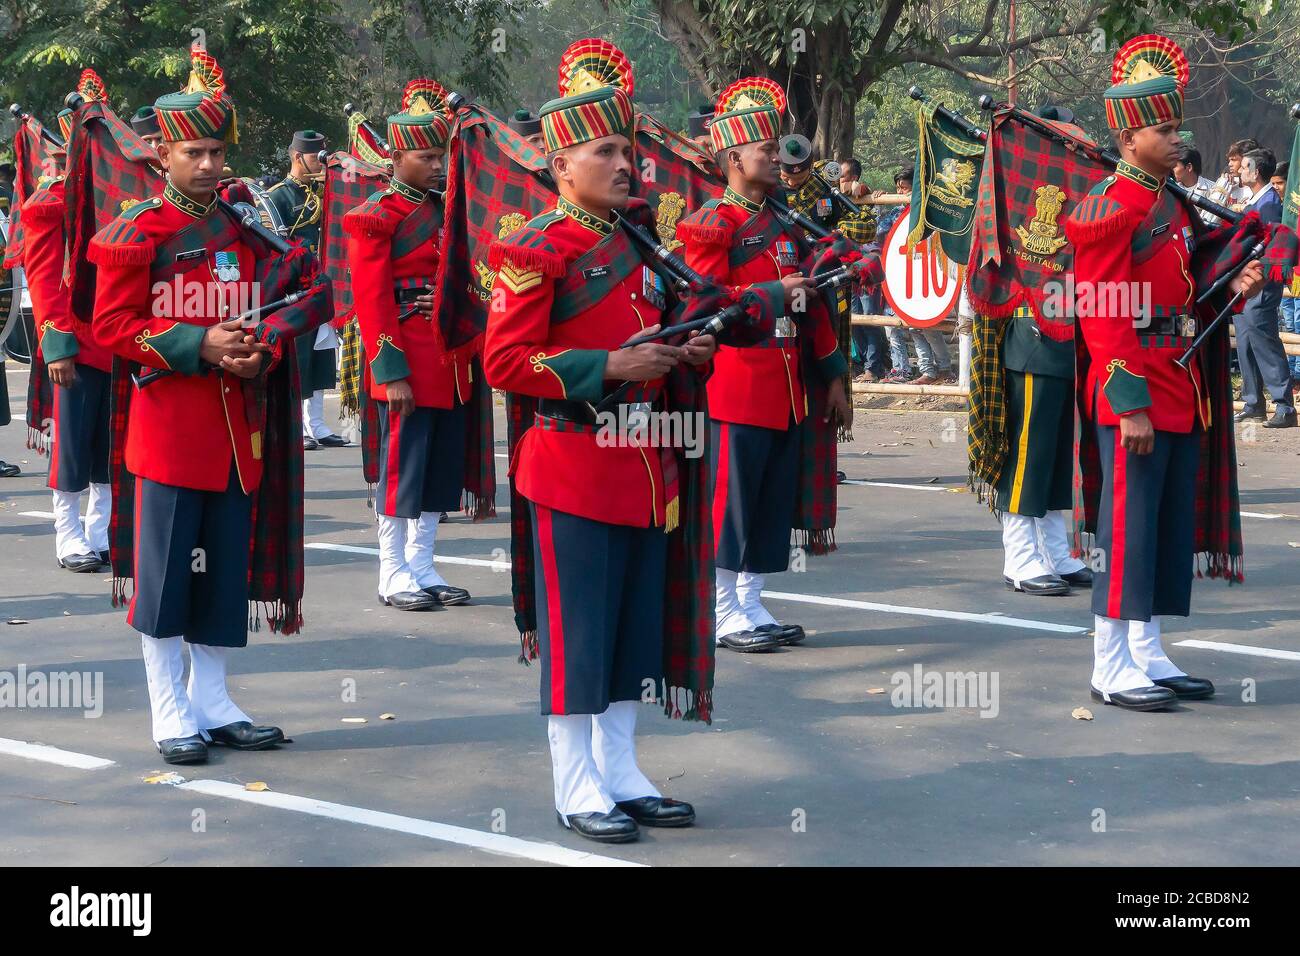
[(185, 204), (1138, 175), (594, 223), (407, 192), (736, 199)]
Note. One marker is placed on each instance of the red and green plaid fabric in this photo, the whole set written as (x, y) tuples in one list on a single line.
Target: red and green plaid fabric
[(675, 176), (348, 182), (1002, 273), (275, 574), (34, 157), (108, 168)]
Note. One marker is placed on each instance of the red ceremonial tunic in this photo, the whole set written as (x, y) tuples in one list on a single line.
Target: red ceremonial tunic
[(1131, 237), (761, 384), (184, 428), (527, 353), (399, 350), (44, 252)]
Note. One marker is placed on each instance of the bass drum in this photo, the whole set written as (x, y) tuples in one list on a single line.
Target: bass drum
[(17, 326)]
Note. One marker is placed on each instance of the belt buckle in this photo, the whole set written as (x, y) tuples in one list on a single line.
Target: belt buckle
[(785, 328), (636, 415)]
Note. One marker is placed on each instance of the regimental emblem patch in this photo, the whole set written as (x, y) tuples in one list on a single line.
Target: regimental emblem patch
[(671, 207), (1043, 237)]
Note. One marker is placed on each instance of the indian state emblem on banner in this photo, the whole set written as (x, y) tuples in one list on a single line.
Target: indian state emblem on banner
[(1043, 237), (508, 224), (671, 207)]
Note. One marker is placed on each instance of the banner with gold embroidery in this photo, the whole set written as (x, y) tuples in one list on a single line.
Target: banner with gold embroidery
[(948, 164), (1028, 186)]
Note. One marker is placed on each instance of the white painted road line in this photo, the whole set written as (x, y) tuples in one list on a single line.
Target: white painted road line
[(64, 758), (37, 514), (896, 484), (995, 619), (491, 842), (1246, 649)]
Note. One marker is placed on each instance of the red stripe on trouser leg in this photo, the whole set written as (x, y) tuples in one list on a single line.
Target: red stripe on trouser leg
[(53, 448), (135, 549), (1118, 527), (720, 481), (554, 612), (394, 464)]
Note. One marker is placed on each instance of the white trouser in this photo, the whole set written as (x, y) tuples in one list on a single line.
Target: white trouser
[(421, 536), (749, 590), (730, 615), (1113, 666), (98, 513), (1033, 547), (593, 760), (180, 710), (395, 575), (1148, 652), (313, 416), (69, 535)]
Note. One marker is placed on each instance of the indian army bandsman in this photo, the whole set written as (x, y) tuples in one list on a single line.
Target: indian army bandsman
[(208, 491), (528, 125), (1148, 412), (697, 128), (393, 250), (1034, 489), (757, 397), (78, 368), (569, 291), (145, 124), (298, 209)]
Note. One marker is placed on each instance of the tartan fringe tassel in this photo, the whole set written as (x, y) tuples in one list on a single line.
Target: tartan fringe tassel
[(672, 515), (357, 222), (1230, 566), (528, 647), (816, 540), (699, 704), (478, 507), (118, 590), (38, 441), (1084, 233)]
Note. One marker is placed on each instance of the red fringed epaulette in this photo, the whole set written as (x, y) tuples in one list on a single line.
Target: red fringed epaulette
[(529, 248), (45, 202), (121, 242), (707, 226), (371, 217), (1097, 217)]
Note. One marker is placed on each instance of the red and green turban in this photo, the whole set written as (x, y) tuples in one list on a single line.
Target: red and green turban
[(1148, 77), (595, 84), (748, 111), (203, 110), (425, 120)]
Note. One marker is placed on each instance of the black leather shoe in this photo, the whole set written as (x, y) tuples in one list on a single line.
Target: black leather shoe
[(446, 595), (410, 601), (310, 444), (1188, 688), (105, 558), (784, 633), (658, 811), (183, 750), (1247, 416), (332, 441), (241, 735), (9, 471), (81, 563), (750, 642), (1140, 698), (1044, 584), (1078, 579), (1281, 419), (613, 827)]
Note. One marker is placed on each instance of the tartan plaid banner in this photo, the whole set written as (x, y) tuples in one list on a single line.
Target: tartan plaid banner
[(34, 157), (348, 181), (1291, 194), (109, 169), (1019, 244), (676, 177)]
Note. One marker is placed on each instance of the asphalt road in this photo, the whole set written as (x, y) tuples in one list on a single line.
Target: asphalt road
[(809, 759)]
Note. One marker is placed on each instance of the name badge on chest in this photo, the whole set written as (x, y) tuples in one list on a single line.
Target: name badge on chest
[(595, 272), (653, 289), (226, 267), (785, 253), (751, 241), (1159, 230)]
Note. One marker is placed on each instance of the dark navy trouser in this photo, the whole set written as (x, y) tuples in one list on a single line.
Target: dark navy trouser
[(421, 461), (754, 480), (80, 453)]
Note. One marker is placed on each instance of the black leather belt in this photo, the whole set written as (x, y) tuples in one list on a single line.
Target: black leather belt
[(566, 410), (407, 296)]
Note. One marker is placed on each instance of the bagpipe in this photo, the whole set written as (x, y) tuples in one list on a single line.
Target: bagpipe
[(54, 139)]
